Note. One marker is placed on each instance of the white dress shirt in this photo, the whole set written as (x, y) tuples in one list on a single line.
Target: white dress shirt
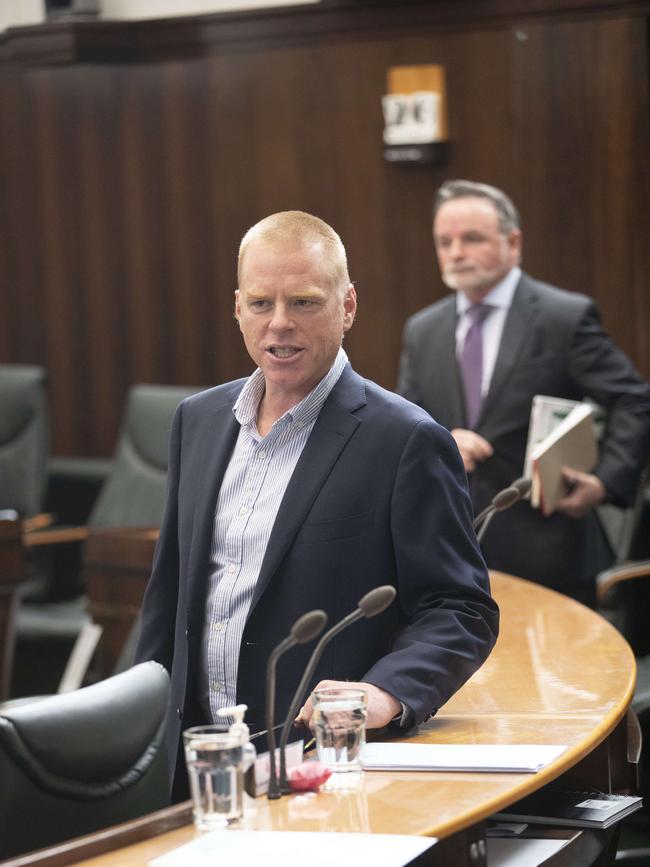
[(251, 492)]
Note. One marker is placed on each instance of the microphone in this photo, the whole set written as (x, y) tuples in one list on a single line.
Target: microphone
[(523, 486), (500, 502), (503, 500), (303, 630), (372, 603)]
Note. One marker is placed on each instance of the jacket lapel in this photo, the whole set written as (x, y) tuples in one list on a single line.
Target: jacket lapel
[(452, 388), (512, 344), (334, 427), (214, 454), (442, 389)]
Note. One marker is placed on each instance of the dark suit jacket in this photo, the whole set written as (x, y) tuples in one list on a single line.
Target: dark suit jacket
[(379, 496), (553, 343)]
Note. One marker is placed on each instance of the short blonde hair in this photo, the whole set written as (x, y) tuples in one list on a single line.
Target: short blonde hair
[(298, 230)]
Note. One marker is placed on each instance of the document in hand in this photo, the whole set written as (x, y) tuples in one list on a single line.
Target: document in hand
[(510, 758), (571, 444), (545, 415), (555, 806)]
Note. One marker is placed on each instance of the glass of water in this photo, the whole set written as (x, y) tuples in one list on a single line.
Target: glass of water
[(216, 761), (339, 724)]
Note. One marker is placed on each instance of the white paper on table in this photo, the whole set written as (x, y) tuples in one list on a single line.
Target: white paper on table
[(261, 848), (509, 758), (521, 853)]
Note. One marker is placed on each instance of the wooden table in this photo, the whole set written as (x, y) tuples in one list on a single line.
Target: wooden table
[(559, 674)]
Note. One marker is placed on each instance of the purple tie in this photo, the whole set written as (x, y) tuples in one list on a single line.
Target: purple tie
[(471, 363)]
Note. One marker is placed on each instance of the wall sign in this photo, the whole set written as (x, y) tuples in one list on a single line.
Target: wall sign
[(415, 114)]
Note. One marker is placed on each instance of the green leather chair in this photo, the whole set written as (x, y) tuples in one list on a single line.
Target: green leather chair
[(134, 492), (71, 764), (133, 495), (24, 438)]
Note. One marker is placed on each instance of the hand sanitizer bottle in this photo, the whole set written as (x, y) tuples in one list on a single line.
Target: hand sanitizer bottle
[(240, 730)]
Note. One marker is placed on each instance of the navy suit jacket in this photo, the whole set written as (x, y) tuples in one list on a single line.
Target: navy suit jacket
[(379, 496), (553, 343)]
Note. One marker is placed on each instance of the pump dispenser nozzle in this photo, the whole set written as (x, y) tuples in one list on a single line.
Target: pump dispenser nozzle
[(239, 727)]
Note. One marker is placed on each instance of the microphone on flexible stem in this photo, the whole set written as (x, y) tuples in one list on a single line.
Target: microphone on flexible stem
[(372, 603), (303, 630), (523, 486), (500, 502)]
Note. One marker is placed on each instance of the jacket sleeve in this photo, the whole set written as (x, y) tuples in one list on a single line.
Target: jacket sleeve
[(407, 384), (451, 620), (604, 373), (157, 628)]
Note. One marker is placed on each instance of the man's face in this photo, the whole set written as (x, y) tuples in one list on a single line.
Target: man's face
[(291, 315), (473, 254)]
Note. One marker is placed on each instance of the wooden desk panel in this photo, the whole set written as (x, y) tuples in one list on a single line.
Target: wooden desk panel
[(559, 674), (12, 574), (117, 566)]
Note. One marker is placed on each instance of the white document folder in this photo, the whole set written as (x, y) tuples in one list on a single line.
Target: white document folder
[(510, 758)]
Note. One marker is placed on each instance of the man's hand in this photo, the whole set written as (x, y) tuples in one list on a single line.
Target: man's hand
[(382, 706), (585, 492), (473, 448)]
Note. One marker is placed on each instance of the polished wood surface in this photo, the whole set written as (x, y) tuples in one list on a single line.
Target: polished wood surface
[(559, 674), (12, 574), (117, 565), (139, 152)]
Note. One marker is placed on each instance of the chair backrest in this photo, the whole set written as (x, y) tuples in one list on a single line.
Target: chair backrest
[(134, 493), (73, 763), (24, 438), (624, 598)]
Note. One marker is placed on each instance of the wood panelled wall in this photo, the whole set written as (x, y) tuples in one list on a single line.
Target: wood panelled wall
[(133, 157)]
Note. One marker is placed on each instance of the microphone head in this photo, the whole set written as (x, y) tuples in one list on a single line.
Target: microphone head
[(505, 498), (523, 486), (308, 626), (376, 600)]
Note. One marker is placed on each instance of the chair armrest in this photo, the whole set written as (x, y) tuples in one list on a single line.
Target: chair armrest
[(54, 536), (38, 522), (617, 574)]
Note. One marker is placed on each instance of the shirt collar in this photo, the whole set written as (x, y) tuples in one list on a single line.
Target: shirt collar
[(500, 296), (306, 410)]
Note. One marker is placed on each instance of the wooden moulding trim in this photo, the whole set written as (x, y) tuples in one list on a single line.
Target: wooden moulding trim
[(100, 842), (141, 41)]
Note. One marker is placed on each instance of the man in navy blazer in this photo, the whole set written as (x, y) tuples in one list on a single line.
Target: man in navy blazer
[(302, 487), (537, 339)]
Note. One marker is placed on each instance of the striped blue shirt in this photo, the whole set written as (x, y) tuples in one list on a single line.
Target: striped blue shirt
[(251, 492)]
